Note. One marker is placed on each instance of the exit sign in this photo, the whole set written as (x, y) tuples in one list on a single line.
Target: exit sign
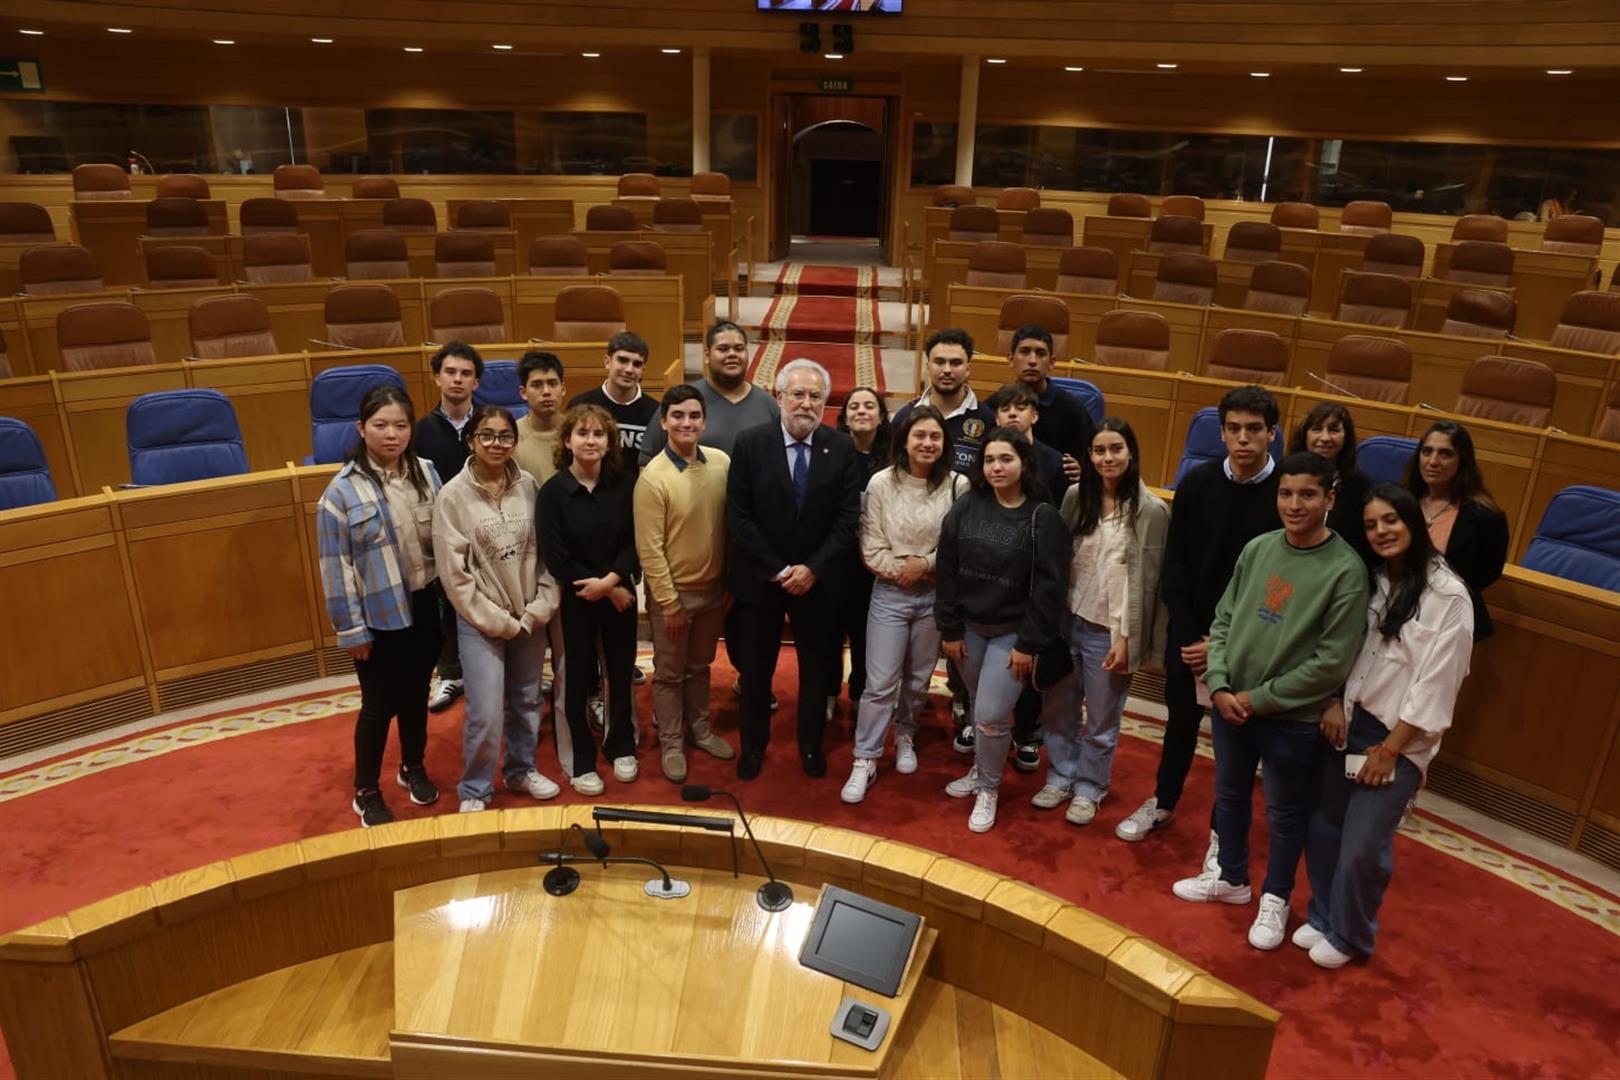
[(20, 76), (837, 86)]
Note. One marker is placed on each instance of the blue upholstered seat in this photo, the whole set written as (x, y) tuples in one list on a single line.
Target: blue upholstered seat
[(25, 478), (498, 385), (1384, 458), (180, 435), (334, 406), (1089, 395), (1579, 537), (1204, 442)]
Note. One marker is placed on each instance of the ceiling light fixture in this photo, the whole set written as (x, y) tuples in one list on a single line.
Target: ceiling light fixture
[(224, 41), (995, 60), (1560, 71), (833, 56), (321, 40), (1259, 74), (669, 52), (503, 48), (1165, 67), (119, 30), (591, 55), (1351, 71), (413, 48), (32, 33), (1074, 69), (1456, 78)]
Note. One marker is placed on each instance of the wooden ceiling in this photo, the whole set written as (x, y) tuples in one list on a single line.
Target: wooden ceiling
[(1487, 38)]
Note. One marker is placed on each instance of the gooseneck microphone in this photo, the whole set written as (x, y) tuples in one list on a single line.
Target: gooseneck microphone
[(774, 895), (563, 879)]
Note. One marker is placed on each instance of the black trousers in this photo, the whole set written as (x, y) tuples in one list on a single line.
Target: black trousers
[(394, 682), (585, 624), (1027, 716), (754, 648), (449, 664), (854, 600), (1184, 715)]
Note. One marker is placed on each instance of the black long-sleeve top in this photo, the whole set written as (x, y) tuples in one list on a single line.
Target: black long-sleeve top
[(1212, 520), (588, 533), (984, 567), (1477, 550), (1346, 518)]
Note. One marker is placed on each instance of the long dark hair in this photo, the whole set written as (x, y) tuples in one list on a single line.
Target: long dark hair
[(1410, 576), (1029, 476), (377, 398), (882, 452), (1091, 481), (1468, 485), (941, 469), (1318, 417)]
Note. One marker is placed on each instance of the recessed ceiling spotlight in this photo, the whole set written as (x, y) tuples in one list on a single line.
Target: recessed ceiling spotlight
[(119, 30), (224, 41), (995, 60), (1165, 67), (503, 48), (1074, 68), (833, 56), (32, 33), (669, 52), (321, 40), (1456, 78), (1259, 74), (1351, 71), (591, 55), (1560, 71), (413, 48)]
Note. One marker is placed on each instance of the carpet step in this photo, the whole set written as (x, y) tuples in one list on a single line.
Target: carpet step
[(849, 365)]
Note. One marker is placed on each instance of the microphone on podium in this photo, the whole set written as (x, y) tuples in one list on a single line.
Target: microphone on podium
[(563, 879), (773, 895)]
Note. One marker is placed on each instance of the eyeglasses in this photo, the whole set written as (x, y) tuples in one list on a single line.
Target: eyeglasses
[(495, 438), (805, 395)]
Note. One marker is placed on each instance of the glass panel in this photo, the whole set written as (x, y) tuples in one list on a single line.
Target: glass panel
[(440, 141), (1249, 167), (607, 144), (254, 139), (1530, 184), (734, 145), (1423, 178), (54, 136), (933, 153)]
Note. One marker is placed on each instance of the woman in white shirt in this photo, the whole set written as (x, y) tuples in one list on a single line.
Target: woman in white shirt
[(1118, 619), (905, 504), (1397, 702)]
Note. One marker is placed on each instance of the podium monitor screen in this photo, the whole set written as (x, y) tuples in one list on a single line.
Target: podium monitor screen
[(860, 940)]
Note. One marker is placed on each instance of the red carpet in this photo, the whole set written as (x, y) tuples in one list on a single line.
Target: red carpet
[(827, 314), (849, 365), (840, 319), (795, 278), (1475, 976)]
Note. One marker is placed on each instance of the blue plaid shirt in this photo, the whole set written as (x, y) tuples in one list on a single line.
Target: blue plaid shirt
[(362, 568)]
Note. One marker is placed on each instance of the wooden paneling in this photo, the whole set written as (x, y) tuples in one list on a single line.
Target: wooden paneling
[(1542, 281), (112, 229), (651, 307)]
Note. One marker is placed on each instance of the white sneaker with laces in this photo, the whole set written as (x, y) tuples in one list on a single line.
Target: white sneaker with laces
[(1081, 811), (905, 754), (1049, 797), (625, 769), (1143, 820), (860, 778), (983, 817), (534, 785), (964, 786), (472, 806), (593, 709), (1307, 936), (444, 695), (1324, 955), (1270, 922), (1210, 889), (588, 784), (1212, 854)]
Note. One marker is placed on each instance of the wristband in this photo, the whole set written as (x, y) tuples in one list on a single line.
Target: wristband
[(1384, 748)]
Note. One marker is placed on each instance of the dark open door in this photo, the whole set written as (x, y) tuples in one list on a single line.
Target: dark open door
[(781, 231)]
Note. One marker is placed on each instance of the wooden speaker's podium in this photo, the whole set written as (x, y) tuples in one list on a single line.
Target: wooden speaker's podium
[(494, 977)]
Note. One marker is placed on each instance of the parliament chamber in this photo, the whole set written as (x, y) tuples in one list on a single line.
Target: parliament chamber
[(220, 226)]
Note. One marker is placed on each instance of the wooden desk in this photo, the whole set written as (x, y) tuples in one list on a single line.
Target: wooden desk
[(419, 249), (1124, 235), (717, 222), (37, 324), (298, 310), (977, 309), (652, 307), (322, 221), (1431, 297), (937, 226), (226, 251), (168, 312), (10, 260), (112, 230), (1335, 253), (686, 255), (531, 218), (1542, 281), (1231, 278)]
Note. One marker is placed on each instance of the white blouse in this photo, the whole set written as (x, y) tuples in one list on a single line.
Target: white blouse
[(1100, 575), (901, 517), (1416, 676)]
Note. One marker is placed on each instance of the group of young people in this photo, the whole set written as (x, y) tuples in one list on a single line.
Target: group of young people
[(1325, 624)]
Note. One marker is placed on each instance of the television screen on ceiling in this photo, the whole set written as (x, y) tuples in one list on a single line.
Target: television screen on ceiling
[(832, 7)]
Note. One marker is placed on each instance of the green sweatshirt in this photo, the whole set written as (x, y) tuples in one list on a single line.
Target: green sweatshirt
[(1289, 625)]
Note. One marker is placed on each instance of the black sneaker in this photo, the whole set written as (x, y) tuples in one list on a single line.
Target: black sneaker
[(371, 808), (414, 778), (1027, 758), (963, 743)]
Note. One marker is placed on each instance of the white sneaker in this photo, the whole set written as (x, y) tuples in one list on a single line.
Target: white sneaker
[(534, 785), (472, 806), (1210, 889), (964, 786), (625, 769), (1049, 798), (1270, 922), (905, 754), (444, 694), (1307, 936), (983, 817), (593, 710), (1081, 811), (1143, 820), (1212, 855), (860, 778), (587, 784), (1324, 955)]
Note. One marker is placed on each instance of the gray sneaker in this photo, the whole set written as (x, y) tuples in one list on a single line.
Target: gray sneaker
[(965, 786), (1081, 811), (1049, 798), (1144, 820)]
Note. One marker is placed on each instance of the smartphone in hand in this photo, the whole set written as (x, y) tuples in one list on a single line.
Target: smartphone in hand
[(1353, 764)]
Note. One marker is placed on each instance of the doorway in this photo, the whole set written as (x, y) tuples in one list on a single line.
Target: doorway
[(832, 178)]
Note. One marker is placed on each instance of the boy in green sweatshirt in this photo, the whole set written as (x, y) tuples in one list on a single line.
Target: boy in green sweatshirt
[(1285, 636)]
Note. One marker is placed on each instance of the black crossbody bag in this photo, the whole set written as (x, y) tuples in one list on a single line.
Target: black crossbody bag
[(1054, 662)]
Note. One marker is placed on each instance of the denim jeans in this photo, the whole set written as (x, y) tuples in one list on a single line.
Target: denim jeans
[(502, 684), (902, 647), (1350, 850), (992, 693), (1080, 763), (1290, 750)]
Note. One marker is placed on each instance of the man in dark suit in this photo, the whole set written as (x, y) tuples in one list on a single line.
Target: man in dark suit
[(793, 511)]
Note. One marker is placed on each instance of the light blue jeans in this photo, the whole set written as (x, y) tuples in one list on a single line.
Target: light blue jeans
[(902, 647), (502, 683), (992, 693), (1081, 763)]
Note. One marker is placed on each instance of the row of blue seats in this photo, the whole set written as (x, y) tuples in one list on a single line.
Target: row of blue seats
[(180, 435)]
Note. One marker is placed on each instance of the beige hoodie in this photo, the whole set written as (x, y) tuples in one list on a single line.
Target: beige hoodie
[(489, 555)]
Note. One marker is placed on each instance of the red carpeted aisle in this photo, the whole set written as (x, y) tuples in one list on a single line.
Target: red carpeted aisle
[(827, 314), (1476, 976)]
